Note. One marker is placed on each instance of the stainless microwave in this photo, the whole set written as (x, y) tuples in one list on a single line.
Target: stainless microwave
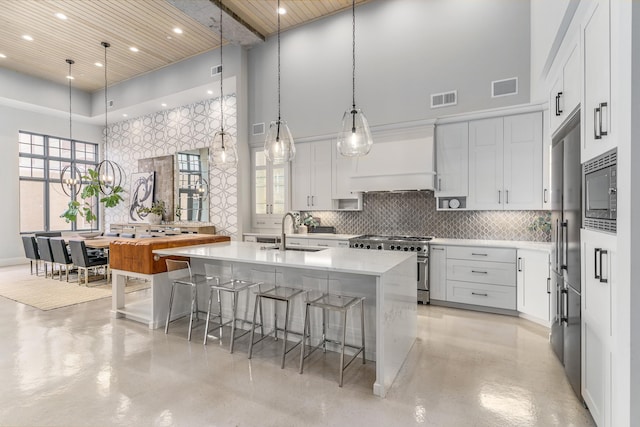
[(600, 187)]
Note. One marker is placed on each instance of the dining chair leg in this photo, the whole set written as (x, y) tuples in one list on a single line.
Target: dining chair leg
[(286, 329), (206, 325), (194, 304), (305, 334), (166, 326), (362, 328), (220, 315), (344, 340), (253, 324), (234, 295)]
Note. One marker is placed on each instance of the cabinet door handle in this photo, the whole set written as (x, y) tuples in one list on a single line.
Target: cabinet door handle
[(506, 196), (603, 111), (548, 285), (519, 263), (475, 254), (558, 103), (479, 272), (313, 201), (602, 279), (596, 115), (499, 196), (437, 249), (308, 201), (565, 256), (596, 252), (439, 184), (479, 294), (544, 196)]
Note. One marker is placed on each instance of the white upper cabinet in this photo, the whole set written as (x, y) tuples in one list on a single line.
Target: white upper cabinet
[(311, 177), (486, 165), (452, 160), (597, 83), (505, 163), (270, 190), (565, 93)]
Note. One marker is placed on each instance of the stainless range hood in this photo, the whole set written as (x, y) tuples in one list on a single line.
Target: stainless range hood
[(400, 160)]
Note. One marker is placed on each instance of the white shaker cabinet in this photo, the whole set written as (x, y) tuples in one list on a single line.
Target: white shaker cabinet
[(452, 160), (270, 192), (596, 38), (565, 93), (438, 272), (533, 279), (311, 173), (505, 163), (598, 283)]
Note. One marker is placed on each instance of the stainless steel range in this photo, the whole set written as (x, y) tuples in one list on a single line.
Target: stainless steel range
[(419, 245)]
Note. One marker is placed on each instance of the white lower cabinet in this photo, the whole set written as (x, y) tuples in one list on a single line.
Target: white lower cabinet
[(480, 276), (598, 255), (533, 281), (311, 242), (438, 272)]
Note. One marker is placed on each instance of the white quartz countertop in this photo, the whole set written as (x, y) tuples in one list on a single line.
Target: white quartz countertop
[(515, 244), (343, 260), (329, 236)]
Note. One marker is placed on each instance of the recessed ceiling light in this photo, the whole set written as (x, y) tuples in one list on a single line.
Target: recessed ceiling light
[(2, 55), (177, 30), (282, 10), (163, 104), (27, 37), (125, 115), (98, 64), (61, 16), (134, 49), (70, 77), (210, 92), (169, 38)]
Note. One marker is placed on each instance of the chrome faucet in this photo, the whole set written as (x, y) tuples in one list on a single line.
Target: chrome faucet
[(283, 237)]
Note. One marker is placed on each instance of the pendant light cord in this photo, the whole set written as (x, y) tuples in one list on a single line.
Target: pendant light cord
[(353, 14), (106, 102), (70, 61), (221, 92), (279, 117)]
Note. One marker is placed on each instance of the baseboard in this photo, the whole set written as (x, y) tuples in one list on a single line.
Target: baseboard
[(5, 262)]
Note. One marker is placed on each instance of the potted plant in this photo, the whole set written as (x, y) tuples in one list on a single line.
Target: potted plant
[(83, 207), (153, 214)]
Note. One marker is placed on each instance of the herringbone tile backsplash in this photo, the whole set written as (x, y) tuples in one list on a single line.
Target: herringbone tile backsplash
[(414, 214)]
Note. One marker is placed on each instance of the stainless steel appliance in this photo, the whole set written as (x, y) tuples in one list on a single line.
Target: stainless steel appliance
[(566, 220), (600, 192), (419, 245)]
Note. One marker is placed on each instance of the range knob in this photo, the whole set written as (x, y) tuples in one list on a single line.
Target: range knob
[(361, 245), (406, 249), (393, 247), (379, 247), (412, 248), (368, 246)]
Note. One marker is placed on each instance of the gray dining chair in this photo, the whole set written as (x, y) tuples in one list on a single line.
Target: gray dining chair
[(84, 262), (31, 251)]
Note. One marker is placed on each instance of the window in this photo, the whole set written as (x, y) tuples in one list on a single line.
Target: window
[(42, 159), (190, 181)]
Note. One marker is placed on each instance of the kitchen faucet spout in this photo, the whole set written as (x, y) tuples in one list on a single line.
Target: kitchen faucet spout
[(283, 237)]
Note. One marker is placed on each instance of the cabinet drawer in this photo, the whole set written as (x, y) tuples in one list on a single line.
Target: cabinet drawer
[(496, 273), (482, 254), (482, 294)]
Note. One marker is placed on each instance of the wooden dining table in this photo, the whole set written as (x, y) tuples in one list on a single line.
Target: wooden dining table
[(101, 242)]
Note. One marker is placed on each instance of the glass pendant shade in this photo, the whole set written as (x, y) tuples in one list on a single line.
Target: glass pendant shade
[(279, 147), (354, 137), (224, 152)]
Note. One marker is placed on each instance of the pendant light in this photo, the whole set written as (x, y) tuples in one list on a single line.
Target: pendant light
[(110, 174), (354, 137), (279, 147), (225, 155), (70, 175)]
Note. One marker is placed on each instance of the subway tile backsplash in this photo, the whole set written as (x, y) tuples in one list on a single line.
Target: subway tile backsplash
[(414, 213)]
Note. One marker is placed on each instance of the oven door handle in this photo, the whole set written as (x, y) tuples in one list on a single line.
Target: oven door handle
[(421, 261)]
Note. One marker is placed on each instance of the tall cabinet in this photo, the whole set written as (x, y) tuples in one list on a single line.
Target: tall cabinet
[(311, 173), (505, 163), (270, 190)]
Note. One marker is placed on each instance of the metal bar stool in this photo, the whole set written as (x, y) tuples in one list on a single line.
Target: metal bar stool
[(180, 274), (276, 294), (339, 303), (221, 280)]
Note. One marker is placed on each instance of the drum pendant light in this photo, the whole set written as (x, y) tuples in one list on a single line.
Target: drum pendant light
[(278, 146), (110, 174), (225, 155), (70, 175), (354, 137)]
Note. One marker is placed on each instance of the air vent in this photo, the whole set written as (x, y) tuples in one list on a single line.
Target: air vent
[(216, 70), (444, 99), (605, 225), (258, 128), (504, 87), (606, 160)]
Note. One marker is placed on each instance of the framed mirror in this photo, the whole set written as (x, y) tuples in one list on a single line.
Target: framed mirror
[(192, 185)]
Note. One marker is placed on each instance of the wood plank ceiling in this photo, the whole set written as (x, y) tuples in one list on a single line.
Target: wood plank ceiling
[(145, 24)]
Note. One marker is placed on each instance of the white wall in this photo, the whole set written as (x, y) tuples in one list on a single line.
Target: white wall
[(13, 120), (405, 51)]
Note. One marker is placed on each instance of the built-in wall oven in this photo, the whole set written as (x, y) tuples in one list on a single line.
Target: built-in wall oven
[(419, 245), (600, 192)]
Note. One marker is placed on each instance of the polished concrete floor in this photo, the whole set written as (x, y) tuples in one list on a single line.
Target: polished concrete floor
[(76, 366)]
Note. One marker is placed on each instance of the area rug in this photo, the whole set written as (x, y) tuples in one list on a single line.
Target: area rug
[(48, 294)]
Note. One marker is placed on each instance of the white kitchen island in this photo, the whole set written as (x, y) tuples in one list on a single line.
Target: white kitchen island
[(387, 280)]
